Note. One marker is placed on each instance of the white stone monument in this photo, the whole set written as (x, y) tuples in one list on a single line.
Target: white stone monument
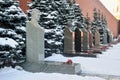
[(34, 39), (35, 52)]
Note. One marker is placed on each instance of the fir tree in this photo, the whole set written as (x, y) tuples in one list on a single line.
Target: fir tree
[(100, 27), (12, 32), (54, 16), (87, 21), (97, 23)]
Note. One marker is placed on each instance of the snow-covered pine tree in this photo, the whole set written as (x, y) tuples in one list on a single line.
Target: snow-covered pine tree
[(54, 16), (12, 33), (95, 20), (51, 19), (104, 22), (97, 23), (100, 27), (87, 21), (106, 29), (75, 13), (94, 23)]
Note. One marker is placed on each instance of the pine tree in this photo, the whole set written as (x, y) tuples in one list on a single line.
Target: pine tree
[(94, 23), (97, 23), (54, 16), (52, 22), (87, 21), (100, 27), (12, 32)]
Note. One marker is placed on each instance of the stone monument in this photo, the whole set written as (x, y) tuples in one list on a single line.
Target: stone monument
[(97, 37), (109, 36), (90, 38), (35, 39), (78, 40), (105, 37), (68, 39), (85, 40), (35, 51)]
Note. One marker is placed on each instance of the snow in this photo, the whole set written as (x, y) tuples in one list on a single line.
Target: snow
[(13, 7), (58, 43), (21, 28), (50, 16), (1, 1), (48, 30), (1, 29), (8, 41), (112, 53), (14, 74), (10, 32), (105, 64), (50, 41)]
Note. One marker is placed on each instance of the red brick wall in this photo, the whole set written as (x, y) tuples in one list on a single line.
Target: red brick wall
[(87, 6), (23, 5)]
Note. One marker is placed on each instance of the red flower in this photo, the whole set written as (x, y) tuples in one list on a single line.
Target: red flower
[(69, 61)]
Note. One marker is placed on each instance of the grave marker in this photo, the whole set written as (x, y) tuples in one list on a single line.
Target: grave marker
[(35, 39), (35, 50), (109, 36), (78, 40), (97, 37), (85, 40), (90, 38), (68, 40), (105, 37)]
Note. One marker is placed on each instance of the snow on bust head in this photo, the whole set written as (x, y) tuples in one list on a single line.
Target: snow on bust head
[(35, 14)]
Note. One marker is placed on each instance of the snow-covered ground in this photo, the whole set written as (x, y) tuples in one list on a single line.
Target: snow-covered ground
[(13, 74), (107, 63)]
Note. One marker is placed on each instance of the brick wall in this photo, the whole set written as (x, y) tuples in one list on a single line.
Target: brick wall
[(87, 6), (23, 5)]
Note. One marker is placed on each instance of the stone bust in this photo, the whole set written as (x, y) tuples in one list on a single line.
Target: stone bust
[(35, 15)]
